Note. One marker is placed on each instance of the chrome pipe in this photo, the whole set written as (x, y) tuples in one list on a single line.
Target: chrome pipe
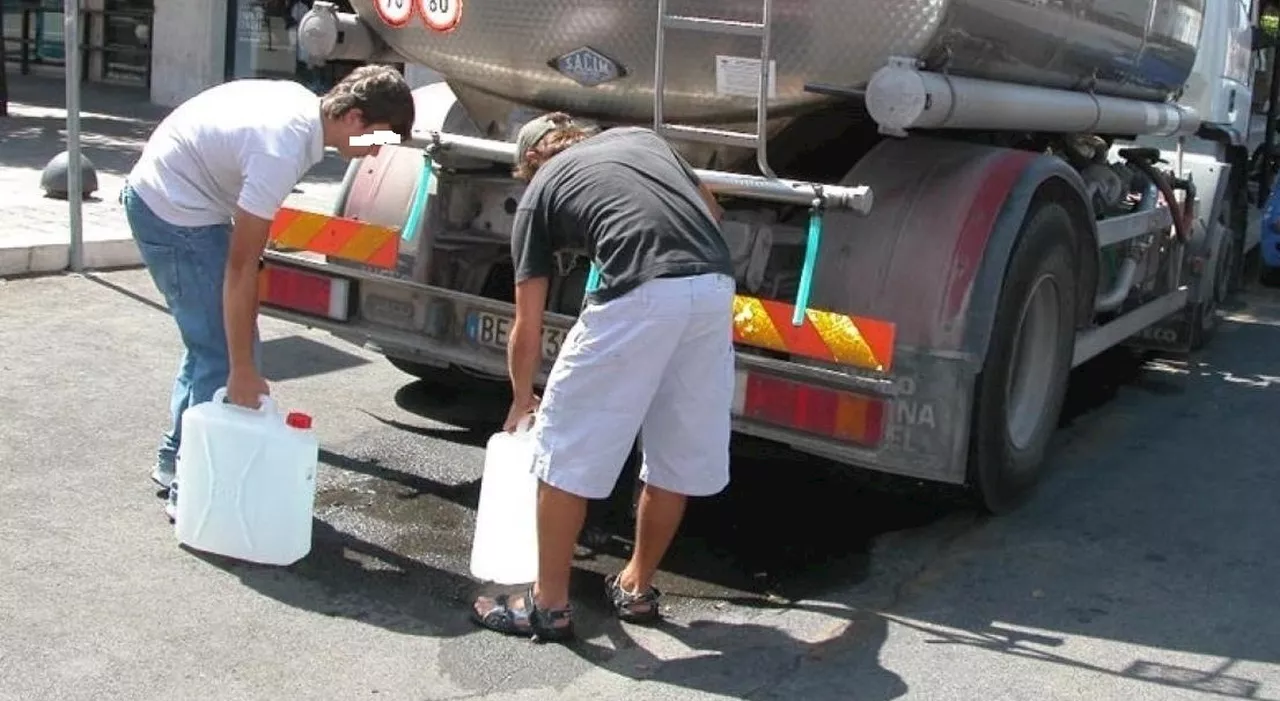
[(858, 199), (900, 96)]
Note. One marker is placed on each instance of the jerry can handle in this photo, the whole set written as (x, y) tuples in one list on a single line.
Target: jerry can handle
[(268, 405)]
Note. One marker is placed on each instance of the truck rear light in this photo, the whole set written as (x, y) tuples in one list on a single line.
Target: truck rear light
[(309, 293), (810, 409)]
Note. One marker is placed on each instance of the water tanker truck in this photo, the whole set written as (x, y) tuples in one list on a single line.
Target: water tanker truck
[(937, 208)]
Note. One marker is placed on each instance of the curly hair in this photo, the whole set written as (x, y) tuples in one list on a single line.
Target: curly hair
[(566, 134), (379, 92)]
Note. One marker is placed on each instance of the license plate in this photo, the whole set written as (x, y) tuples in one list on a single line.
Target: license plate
[(494, 330)]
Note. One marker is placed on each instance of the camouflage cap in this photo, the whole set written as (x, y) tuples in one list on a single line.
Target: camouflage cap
[(533, 131)]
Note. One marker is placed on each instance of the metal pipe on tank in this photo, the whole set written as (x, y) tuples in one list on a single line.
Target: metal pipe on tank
[(858, 199), (1119, 292), (1112, 299), (901, 97)]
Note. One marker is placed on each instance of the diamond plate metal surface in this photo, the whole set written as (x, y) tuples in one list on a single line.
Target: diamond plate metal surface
[(506, 48)]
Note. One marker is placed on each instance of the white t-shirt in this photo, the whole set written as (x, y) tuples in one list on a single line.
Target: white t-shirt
[(244, 143)]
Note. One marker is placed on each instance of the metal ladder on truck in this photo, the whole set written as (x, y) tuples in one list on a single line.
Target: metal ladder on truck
[(723, 137)]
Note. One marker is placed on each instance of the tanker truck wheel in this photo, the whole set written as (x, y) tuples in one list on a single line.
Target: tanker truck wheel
[(1020, 390)]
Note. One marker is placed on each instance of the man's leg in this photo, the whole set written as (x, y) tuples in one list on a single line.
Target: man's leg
[(200, 260), (179, 400), (685, 439), (160, 248), (596, 397), (657, 521), (560, 518), (186, 265), (199, 312)]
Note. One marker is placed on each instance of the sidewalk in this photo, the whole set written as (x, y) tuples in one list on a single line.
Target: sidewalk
[(114, 125)]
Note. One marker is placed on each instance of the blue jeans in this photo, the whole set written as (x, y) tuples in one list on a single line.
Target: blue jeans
[(187, 264)]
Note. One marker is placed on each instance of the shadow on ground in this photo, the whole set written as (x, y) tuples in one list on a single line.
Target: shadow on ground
[(348, 577), (1144, 541)]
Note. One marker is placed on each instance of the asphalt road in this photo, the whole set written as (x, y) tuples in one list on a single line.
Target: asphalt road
[(1144, 569)]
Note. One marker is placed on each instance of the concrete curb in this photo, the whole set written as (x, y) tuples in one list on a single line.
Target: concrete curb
[(45, 256)]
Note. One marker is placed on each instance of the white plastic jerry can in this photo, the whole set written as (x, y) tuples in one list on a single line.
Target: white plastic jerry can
[(247, 481), (505, 547)]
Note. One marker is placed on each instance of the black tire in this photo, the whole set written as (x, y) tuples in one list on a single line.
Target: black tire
[(1004, 468), (1203, 322), (1203, 317), (1237, 222), (1230, 264)]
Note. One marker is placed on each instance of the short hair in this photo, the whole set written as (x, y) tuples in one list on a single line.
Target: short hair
[(379, 92)]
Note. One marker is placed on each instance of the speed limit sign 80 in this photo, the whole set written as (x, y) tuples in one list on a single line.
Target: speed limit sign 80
[(441, 15)]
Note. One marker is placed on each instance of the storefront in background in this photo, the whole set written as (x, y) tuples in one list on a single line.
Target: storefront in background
[(262, 42), (115, 38), (121, 37)]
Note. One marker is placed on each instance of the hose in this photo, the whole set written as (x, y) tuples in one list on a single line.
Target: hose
[(1182, 212), (810, 262), (421, 196)]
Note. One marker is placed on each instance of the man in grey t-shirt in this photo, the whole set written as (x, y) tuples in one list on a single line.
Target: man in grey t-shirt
[(651, 353)]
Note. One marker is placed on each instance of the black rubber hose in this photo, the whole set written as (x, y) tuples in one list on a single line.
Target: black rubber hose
[(1181, 211)]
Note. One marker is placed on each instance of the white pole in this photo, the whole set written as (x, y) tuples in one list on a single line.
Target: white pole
[(75, 190)]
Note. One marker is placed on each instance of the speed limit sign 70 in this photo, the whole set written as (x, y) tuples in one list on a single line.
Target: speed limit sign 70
[(441, 15), (395, 13)]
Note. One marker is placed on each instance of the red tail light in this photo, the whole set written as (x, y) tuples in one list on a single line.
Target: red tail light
[(305, 292), (811, 409)]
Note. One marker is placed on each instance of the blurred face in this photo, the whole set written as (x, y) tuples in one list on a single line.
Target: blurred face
[(357, 139)]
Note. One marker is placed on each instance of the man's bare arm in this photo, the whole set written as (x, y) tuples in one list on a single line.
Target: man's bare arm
[(240, 293), (712, 204), (524, 347)]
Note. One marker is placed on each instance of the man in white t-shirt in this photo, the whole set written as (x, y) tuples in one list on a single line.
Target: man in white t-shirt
[(201, 199)]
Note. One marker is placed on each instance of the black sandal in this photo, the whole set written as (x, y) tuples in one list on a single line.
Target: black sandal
[(538, 623), (629, 607)]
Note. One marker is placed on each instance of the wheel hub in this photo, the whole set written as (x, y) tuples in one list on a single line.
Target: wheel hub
[(1035, 355)]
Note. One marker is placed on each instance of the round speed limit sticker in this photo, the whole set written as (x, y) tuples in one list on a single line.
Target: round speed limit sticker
[(395, 13), (441, 15)]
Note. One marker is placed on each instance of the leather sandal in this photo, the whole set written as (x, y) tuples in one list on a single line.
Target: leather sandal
[(632, 607), (527, 619)]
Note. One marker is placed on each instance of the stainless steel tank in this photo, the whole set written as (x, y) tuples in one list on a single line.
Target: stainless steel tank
[(596, 57)]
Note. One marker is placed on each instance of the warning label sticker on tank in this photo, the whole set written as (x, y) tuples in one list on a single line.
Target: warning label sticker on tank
[(394, 13), (739, 76), (441, 15)]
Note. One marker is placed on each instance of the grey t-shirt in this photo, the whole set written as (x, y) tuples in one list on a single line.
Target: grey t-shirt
[(626, 198)]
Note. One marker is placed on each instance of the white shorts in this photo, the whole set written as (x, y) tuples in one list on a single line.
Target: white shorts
[(657, 362)]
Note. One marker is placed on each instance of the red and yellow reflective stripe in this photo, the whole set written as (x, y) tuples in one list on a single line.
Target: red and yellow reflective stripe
[(339, 237), (840, 338)]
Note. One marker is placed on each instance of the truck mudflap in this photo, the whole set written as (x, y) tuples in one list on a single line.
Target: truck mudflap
[(913, 422)]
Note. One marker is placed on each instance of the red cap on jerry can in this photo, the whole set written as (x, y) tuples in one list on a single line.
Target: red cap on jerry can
[(298, 419)]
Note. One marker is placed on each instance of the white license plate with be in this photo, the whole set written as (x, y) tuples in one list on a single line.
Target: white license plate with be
[(494, 330)]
